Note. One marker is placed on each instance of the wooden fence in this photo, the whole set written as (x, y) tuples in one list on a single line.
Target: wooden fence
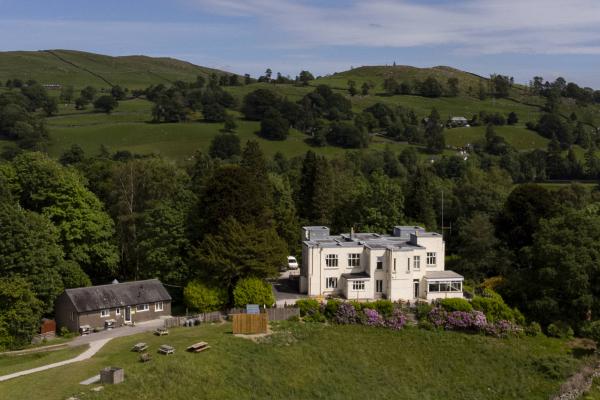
[(275, 314), (249, 324), (191, 320)]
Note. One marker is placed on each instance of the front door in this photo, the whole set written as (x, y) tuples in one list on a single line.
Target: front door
[(127, 314), (416, 290)]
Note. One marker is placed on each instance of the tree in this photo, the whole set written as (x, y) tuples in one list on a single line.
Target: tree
[(382, 204), (345, 134), (453, 88), (253, 291), (85, 230), (50, 106), (257, 103), (365, 87), (202, 298), (118, 93), (88, 93), (73, 155), (214, 112), (352, 88), (501, 85), (238, 251), (225, 146), (273, 126), (105, 104), (29, 250), (230, 124), (66, 94), (431, 87), (512, 118), (20, 313), (434, 133), (305, 77), (81, 103), (284, 212)]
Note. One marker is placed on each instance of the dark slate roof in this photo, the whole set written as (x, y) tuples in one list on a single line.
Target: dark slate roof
[(356, 275), (95, 298)]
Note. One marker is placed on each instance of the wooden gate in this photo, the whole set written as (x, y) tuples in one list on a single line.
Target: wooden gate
[(249, 324)]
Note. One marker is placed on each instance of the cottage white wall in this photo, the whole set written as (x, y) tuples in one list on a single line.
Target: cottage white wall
[(318, 272), (444, 295)]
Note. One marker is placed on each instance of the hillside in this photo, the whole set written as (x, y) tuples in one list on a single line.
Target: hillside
[(80, 69)]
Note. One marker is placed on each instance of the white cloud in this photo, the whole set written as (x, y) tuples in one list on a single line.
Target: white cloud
[(483, 26)]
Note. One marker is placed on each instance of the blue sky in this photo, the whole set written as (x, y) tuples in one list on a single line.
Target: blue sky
[(521, 38)]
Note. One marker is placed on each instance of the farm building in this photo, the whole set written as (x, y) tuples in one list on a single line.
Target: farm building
[(458, 121), (113, 305)]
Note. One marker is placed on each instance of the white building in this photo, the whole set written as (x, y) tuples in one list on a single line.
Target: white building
[(408, 265)]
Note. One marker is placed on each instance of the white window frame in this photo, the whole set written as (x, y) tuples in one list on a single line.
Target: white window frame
[(72, 315), (104, 313), (445, 286), (358, 286), (157, 308), (417, 262), (379, 263), (331, 282), (431, 259), (117, 311), (145, 307), (353, 260), (379, 286), (331, 261)]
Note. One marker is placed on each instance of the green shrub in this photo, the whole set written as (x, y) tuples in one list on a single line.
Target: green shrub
[(533, 329), (553, 367), (253, 291), (200, 297), (307, 306), (66, 333), (294, 318), (456, 305), (560, 329), (331, 308), (426, 324), (315, 317), (422, 310), (495, 309), (357, 306), (592, 331), (383, 307), (489, 293)]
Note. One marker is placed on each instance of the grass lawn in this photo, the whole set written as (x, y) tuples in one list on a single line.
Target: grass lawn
[(15, 363), (307, 361), (594, 392), (517, 136)]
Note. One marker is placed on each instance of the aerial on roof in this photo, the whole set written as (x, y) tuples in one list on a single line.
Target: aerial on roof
[(114, 295)]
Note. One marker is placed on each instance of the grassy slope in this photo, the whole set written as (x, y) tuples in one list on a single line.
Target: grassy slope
[(133, 72), (15, 363), (313, 361)]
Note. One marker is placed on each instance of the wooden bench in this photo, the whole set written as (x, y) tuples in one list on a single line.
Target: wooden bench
[(139, 347), (198, 347), (161, 331), (166, 349), (145, 357)]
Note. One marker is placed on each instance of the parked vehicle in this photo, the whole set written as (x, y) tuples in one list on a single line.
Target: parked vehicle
[(292, 262)]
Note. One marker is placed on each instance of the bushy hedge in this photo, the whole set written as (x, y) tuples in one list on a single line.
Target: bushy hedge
[(495, 309), (200, 297), (253, 291), (560, 329), (472, 321), (307, 306), (383, 307), (591, 330), (456, 305)]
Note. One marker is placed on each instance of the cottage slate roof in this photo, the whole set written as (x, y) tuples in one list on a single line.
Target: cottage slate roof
[(101, 297)]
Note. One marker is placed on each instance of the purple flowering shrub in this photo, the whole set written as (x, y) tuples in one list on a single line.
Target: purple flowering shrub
[(345, 314), (396, 321), (372, 318), (472, 321)]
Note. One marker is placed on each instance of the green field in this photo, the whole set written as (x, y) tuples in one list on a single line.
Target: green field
[(80, 69), (14, 363), (517, 136), (303, 361)]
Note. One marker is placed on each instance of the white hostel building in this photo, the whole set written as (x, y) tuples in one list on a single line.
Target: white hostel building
[(408, 265)]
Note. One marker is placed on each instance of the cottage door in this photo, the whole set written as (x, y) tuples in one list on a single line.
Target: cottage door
[(127, 314), (416, 290)]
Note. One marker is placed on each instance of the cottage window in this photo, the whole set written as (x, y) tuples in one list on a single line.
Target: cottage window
[(104, 313), (417, 262), (394, 265), (358, 285), (72, 315), (354, 260), (379, 262), (379, 285), (408, 264), (448, 286), (158, 306), (118, 311), (331, 260), (431, 259), (142, 307), (331, 283)]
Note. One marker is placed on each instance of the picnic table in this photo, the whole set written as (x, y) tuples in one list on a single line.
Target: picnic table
[(139, 347), (161, 331), (198, 347), (166, 349)]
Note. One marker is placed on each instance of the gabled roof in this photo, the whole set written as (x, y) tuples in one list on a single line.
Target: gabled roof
[(95, 298)]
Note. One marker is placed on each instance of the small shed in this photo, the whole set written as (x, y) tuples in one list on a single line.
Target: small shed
[(112, 375)]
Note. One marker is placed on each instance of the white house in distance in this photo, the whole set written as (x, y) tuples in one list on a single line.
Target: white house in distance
[(408, 265)]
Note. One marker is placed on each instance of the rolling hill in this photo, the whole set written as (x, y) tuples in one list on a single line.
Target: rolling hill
[(80, 69)]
